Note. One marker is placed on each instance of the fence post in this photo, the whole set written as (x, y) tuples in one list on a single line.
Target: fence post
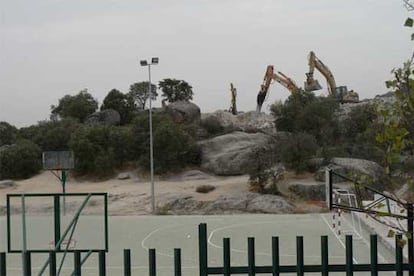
[(251, 260), (202, 248), (410, 229), (349, 256), (374, 255), (52, 263), (177, 262), (226, 257), (398, 256), (152, 262), (299, 256), (27, 267), (3, 264), (324, 256), (127, 262), (102, 263), (77, 263), (275, 256)]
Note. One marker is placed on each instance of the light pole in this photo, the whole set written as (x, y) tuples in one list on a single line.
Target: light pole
[(154, 61)]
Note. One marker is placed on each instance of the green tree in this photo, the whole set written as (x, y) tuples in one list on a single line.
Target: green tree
[(100, 149), (175, 90), (297, 150), (20, 160), (304, 112), (123, 103), (50, 135), (8, 134), (79, 106), (173, 147), (139, 93)]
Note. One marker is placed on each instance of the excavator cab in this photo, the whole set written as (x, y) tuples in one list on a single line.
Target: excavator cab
[(311, 84)]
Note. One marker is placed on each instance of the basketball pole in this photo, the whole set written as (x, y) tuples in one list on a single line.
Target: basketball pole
[(63, 180), (410, 228)]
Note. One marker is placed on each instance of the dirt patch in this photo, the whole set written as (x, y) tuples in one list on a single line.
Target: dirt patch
[(133, 196)]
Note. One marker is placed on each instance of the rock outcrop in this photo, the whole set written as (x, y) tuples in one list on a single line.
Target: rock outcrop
[(368, 172), (248, 122), (314, 191), (237, 203), (184, 112), (235, 153), (107, 117)]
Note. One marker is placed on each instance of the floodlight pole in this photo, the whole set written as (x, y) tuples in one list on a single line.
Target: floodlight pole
[(154, 61)]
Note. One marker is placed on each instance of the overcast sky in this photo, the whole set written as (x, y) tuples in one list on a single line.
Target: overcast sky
[(50, 48)]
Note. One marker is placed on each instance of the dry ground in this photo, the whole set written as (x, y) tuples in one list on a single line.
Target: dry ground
[(133, 196)]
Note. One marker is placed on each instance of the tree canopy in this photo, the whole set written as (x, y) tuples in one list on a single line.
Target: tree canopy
[(79, 106), (139, 93), (175, 90), (123, 103)]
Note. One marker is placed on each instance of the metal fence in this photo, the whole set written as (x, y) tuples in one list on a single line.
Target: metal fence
[(275, 268)]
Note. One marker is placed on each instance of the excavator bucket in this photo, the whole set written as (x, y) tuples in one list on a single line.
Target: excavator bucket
[(312, 85)]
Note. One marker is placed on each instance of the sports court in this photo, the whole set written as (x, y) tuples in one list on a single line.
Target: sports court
[(164, 233)]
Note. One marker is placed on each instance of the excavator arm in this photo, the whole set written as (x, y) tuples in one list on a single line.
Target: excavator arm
[(267, 80), (311, 84)]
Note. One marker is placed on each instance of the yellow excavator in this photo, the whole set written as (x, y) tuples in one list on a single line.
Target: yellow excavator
[(340, 92), (267, 80), (233, 92)]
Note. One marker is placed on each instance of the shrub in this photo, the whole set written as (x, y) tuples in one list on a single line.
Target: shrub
[(204, 189), (50, 135), (297, 150), (8, 134), (304, 112), (173, 147), (98, 149), (20, 160)]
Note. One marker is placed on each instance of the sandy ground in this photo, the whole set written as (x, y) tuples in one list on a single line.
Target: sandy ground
[(131, 196)]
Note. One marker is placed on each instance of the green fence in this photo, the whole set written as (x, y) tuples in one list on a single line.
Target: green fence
[(299, 268), (275, 268)]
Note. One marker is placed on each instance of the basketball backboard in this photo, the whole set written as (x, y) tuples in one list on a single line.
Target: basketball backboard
[(58, 160)]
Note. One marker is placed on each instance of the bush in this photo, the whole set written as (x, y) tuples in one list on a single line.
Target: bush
[(304, 112), (50, 135), (297, 150), (8, 134), (20, 160), (100, 149), (173, 147), (204, 189)]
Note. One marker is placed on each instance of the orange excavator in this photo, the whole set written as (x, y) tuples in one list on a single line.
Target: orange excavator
[(280, 78), (311, 84)]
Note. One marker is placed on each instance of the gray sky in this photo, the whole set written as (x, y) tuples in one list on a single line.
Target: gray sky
[(50, 48)]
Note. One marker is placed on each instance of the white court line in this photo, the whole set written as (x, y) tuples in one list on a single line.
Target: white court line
[(257, 253), (343, 245), (337, 237)]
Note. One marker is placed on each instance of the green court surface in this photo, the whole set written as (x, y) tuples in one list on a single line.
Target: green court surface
[(164, 233)]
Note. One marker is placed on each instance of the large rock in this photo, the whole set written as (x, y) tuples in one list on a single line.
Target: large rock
[(248, 122), (7, 184), (184, 112), (360, 168), (235, 153), (237, 203), (107, 117), (313, 191)]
